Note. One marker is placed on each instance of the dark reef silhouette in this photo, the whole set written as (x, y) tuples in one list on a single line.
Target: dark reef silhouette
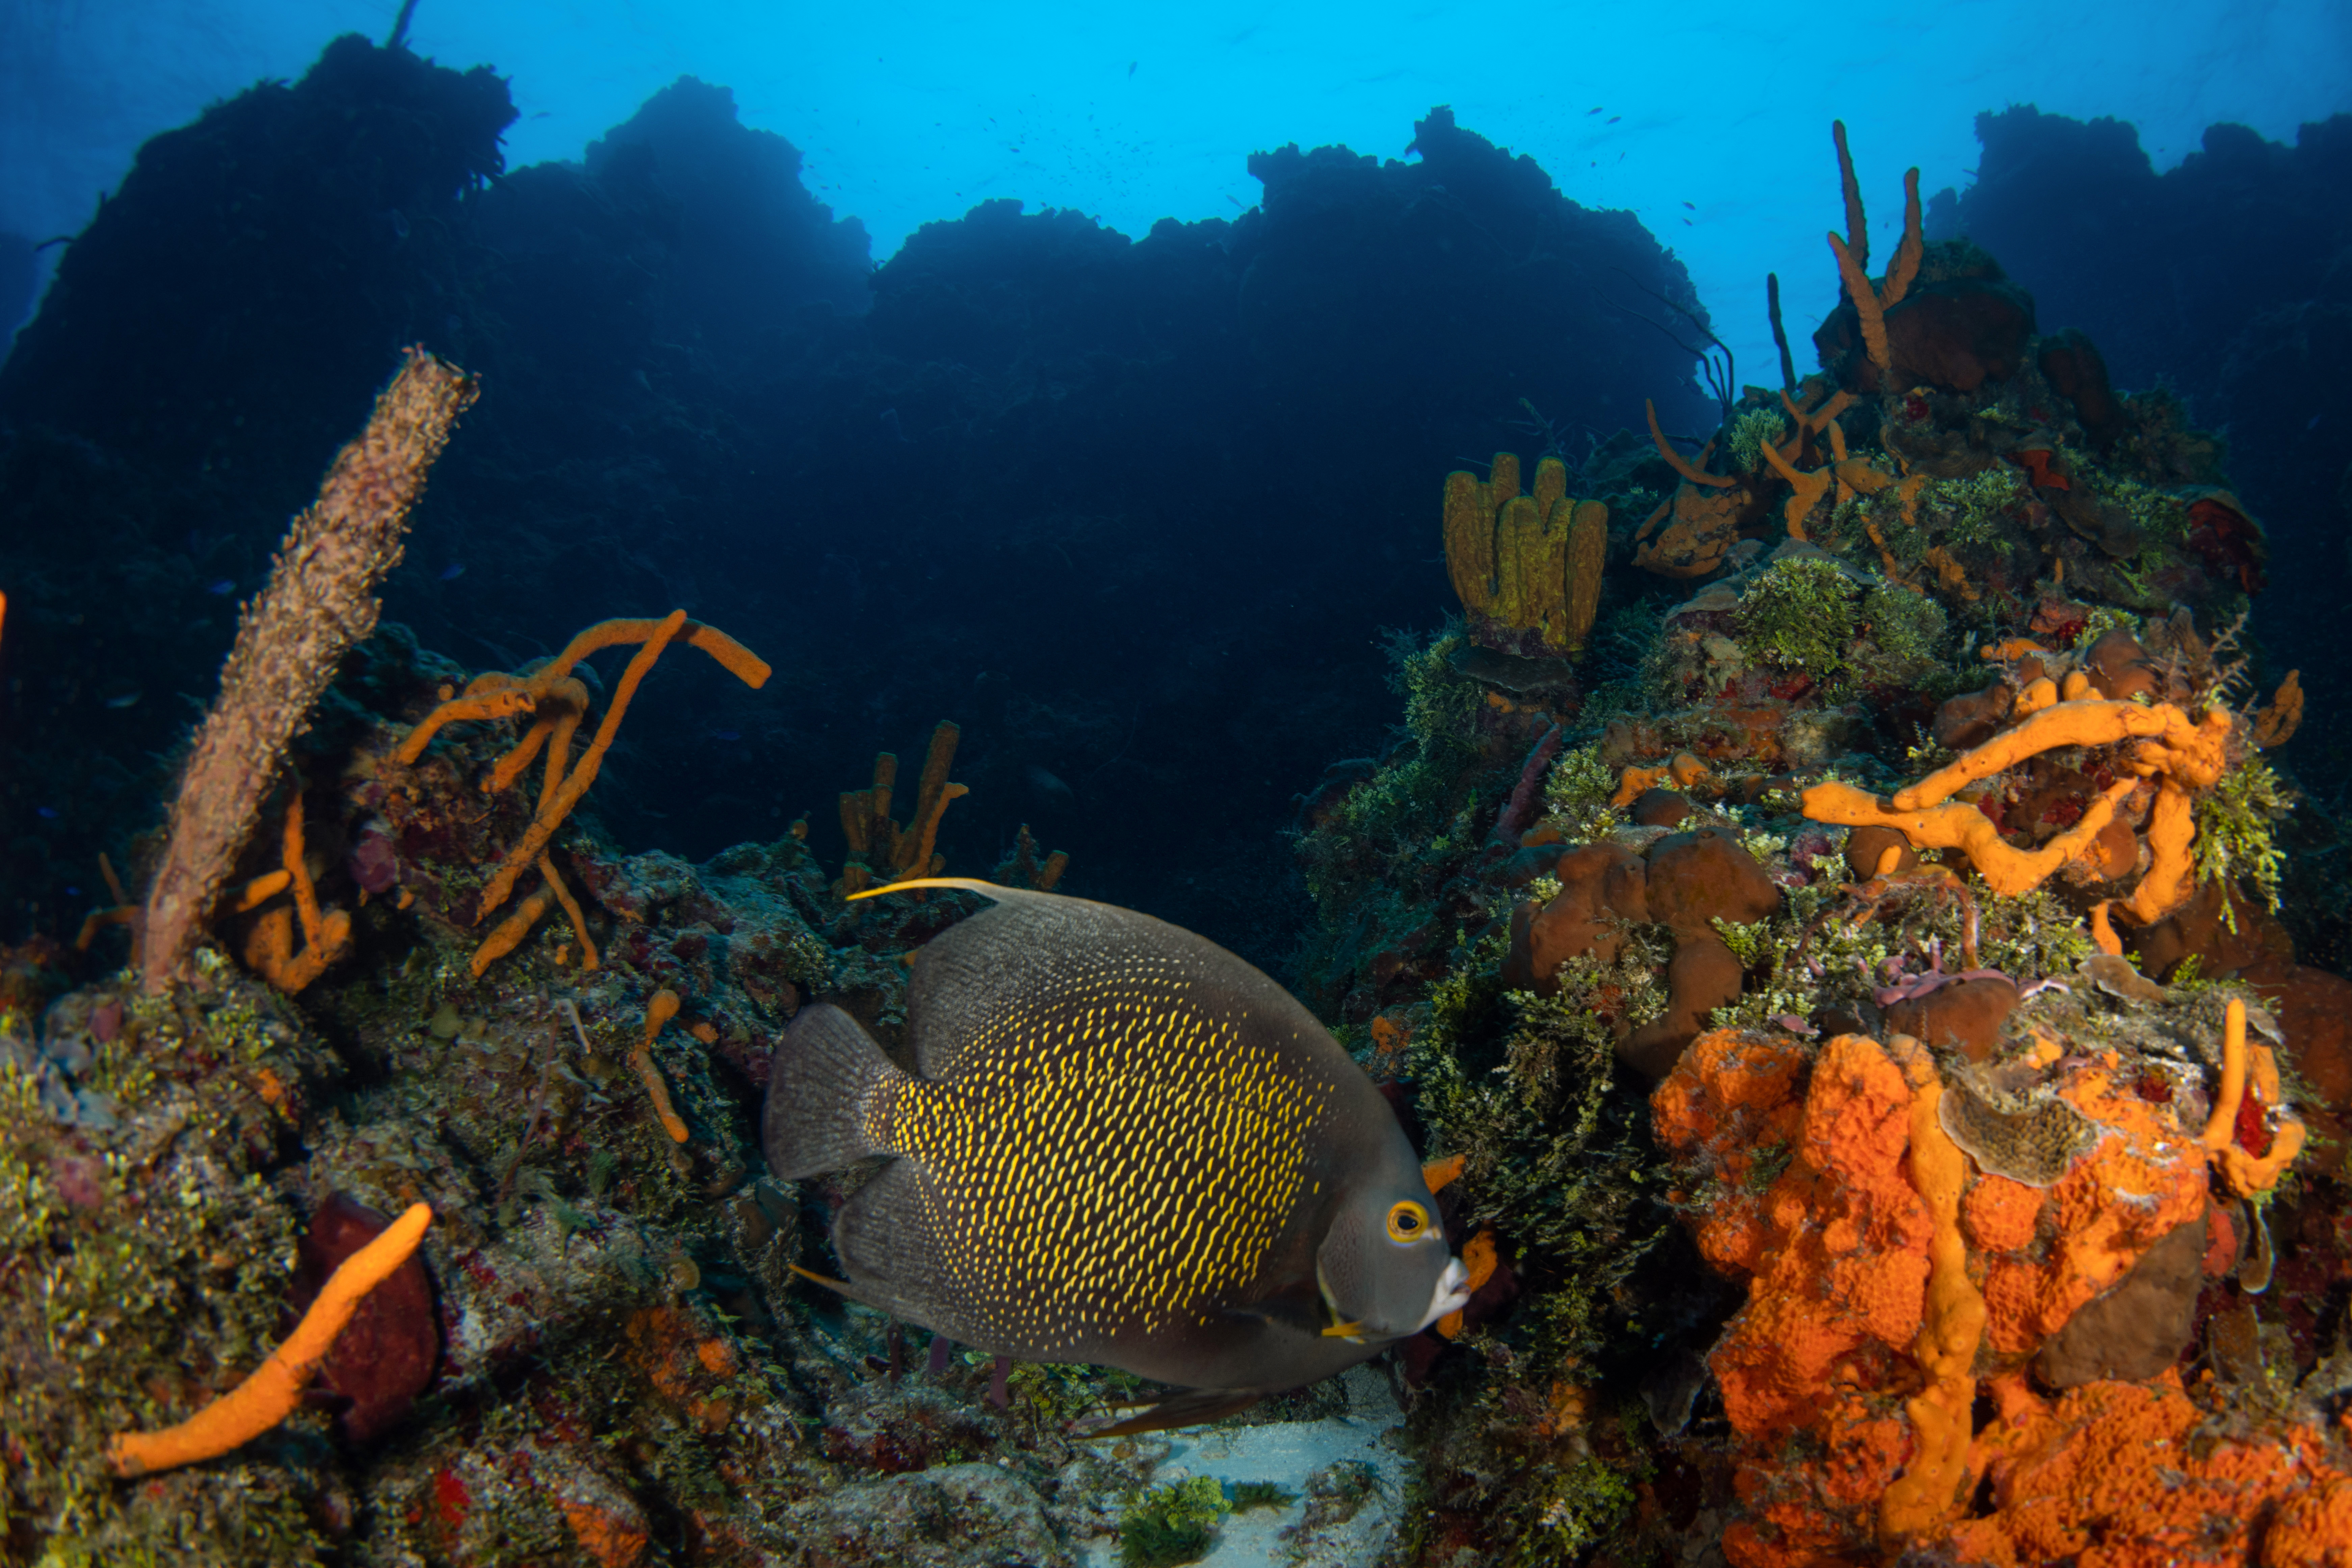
[(1130, 509)]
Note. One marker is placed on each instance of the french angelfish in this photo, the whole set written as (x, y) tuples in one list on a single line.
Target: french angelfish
[(1120, 1144)]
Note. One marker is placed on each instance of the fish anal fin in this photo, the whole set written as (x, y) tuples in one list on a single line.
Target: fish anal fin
[(885, 1238), (1192, 1407)]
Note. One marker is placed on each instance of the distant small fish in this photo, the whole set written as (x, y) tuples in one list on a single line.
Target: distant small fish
[(46, 812), (1130, 67), (1693, 205), (1614, 119), (1119, 1144), (542, 114), (451, 573), (224, 586), (2315, 421), (125, 701), (1687, 224), (1595, 109)]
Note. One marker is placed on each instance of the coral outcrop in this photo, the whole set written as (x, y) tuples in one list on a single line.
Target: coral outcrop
[(1916, 856)]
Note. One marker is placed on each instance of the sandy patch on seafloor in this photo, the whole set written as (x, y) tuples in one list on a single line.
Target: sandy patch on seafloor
[(1288, 1453)]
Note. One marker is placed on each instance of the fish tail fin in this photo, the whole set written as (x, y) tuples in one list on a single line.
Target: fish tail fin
[(821, 1082)]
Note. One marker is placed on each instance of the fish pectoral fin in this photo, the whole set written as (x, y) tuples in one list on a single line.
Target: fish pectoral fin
[(1299, 1306), (1192, 1407), (1350, 1331)]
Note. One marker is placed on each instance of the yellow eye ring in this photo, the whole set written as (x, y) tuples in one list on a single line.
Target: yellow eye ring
[(1407, 1222)]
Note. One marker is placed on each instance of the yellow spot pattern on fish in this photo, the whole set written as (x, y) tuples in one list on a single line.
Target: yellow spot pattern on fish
[(1108, 1164)]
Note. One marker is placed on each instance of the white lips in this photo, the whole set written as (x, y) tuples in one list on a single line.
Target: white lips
[(1453, 1292)]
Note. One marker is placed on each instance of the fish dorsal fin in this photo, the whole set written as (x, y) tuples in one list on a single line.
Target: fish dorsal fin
[(1038, 959)]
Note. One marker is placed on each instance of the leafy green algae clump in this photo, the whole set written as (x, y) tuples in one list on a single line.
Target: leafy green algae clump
[(1171, 1524), (1800, 616), (2235, 837)]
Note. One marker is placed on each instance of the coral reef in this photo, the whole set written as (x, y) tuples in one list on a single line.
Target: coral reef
[(1916, 857), (1842, 940)]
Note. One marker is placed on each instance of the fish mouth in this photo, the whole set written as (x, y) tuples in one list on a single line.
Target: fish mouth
[(1452, 1294)]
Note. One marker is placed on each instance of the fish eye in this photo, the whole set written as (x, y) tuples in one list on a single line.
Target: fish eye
[(1407, 1222)]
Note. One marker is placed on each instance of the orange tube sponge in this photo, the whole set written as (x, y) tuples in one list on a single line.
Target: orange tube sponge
[(2244, 1173), (509, 933), (325, 935), (269, 1396), (2007, 869), (660, 1010)]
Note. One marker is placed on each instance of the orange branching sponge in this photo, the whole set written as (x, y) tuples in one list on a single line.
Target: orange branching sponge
[(658, 1010), (1957, 824), (2276, 724), (269, 1396), (1807, 487), (557, 701), (2164, 887), (325, 936), (2180, 753)]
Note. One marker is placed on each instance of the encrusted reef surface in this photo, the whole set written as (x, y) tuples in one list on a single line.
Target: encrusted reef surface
[(1895, 1123), (604, 1357)]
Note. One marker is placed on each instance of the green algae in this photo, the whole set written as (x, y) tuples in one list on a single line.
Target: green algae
[(1170, 1524)]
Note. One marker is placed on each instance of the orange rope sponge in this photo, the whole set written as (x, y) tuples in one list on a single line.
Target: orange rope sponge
[(2197, 747), (2007, 869), (269, 1396), (658, 1010), (1927, 1494)]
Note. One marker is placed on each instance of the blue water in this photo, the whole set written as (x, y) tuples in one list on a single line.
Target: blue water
[(911, 113)]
